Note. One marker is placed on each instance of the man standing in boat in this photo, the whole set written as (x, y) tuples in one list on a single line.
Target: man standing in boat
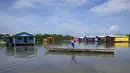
[(73, 42), (73, 45)]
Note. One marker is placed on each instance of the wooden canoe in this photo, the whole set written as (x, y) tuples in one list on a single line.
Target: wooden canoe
[(80, 50), (81, 54)]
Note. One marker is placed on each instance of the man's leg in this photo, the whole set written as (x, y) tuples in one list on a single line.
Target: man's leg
[(73, 45)]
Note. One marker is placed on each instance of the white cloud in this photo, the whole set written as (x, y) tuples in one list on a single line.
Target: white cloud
[(15, 24), (60, 20), (111, 30), (76, 29), (61, 1), (112, 6), (31, 3), (78, 2), (22, 4)]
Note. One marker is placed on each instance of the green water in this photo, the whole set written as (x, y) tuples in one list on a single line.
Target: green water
[(37, 59)]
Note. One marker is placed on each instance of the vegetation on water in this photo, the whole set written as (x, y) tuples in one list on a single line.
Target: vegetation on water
[(39, 37), (2, 36), (2, 39), (128, 35)]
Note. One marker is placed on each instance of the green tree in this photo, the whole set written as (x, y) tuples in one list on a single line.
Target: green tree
[(38, 37)]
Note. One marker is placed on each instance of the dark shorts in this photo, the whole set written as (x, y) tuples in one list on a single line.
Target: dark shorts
[(72, 43)]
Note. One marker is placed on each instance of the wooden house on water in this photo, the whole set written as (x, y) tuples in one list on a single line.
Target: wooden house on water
[(86, 39), (100, 38), (80, 39), (22, 38), (48, 39), (106, 39), (113, 38), (119, 38), (90, 39)]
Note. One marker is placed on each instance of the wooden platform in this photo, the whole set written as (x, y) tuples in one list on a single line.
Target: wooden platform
[(80, 50)]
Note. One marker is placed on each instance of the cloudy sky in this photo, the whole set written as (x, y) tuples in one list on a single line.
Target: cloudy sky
[(72, 17)]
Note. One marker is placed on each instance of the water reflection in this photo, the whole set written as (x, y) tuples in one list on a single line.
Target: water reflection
[(121, 45), (73, 59), (21, 51), (107, 45), (117, 62)]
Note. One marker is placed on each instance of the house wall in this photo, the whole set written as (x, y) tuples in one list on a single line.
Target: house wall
[(30, 41), (125, 39), (8, 40), (19, 41), (122, 39), (22, 41), (110, 39)]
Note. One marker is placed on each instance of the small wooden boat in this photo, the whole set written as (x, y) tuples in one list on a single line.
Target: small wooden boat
[(79, 50), (81, 54)]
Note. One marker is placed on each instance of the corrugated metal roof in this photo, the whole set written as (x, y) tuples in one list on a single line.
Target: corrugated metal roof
[(118, 35), (23, 34), (91, 36), (81, 37), (102, 36), (105, 36)]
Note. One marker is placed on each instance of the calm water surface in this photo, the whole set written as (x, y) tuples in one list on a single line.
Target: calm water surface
[(37, 59)]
